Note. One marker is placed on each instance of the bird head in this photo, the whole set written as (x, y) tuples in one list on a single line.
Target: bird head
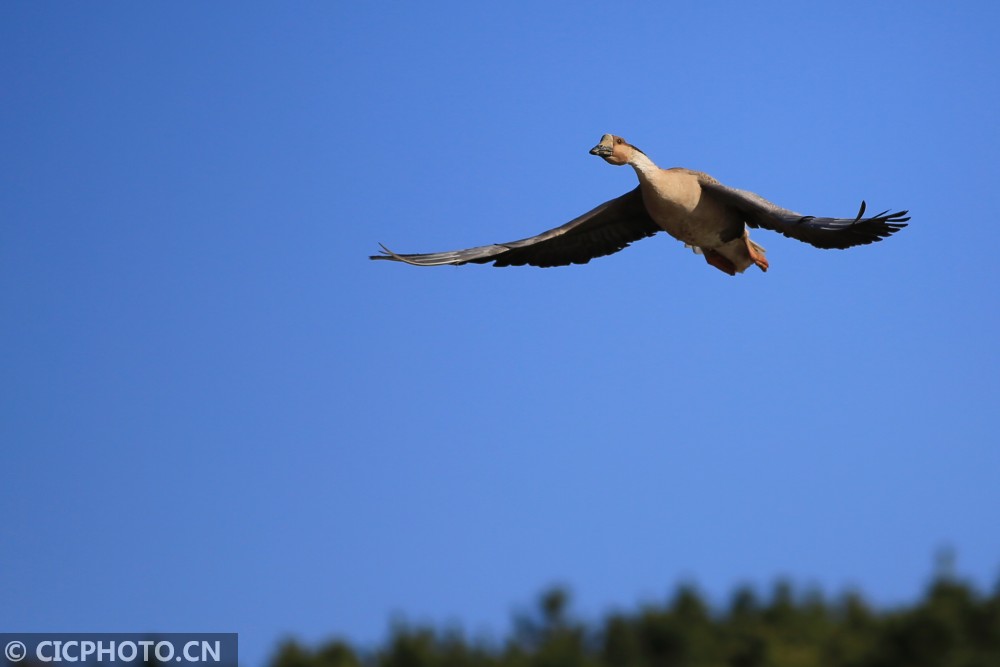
[(614, 150)]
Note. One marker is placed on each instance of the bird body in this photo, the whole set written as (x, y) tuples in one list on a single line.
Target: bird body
[(691, 206), (673, 198)]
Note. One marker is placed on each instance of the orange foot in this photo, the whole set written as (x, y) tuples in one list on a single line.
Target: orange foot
[(757, 256), (720, 262)]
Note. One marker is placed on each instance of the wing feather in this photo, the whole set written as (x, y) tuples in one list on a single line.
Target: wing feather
[(819, 232), (602, 231)]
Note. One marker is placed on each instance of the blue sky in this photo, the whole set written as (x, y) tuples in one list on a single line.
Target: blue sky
[(218, 414)]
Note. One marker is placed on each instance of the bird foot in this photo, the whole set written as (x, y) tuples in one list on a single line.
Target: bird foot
[(756, 255), (719, 262)]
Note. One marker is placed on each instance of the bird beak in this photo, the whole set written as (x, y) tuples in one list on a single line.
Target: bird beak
[(605, 148)]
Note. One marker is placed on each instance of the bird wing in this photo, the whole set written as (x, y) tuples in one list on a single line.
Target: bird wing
[(605, 230), (820, 232)]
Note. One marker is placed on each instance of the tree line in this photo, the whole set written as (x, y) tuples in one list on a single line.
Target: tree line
[(952, 625)]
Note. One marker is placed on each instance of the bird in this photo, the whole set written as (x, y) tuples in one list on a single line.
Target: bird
[(710, 218)]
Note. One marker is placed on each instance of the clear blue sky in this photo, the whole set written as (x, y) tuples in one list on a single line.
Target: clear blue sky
[(217, 414)]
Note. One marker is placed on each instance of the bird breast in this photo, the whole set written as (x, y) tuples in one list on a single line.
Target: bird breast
[(676, 204)]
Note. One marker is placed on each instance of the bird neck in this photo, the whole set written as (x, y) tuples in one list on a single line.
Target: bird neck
[(644, 167)]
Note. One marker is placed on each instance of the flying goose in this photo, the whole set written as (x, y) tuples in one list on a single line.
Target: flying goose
[(691, 206)]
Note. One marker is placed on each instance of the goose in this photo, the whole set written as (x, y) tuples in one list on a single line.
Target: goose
[(696, 209)]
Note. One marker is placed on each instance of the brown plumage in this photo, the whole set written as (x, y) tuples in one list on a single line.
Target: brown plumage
[(691, 206)]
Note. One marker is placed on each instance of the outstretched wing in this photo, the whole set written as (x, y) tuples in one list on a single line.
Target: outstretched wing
[(603, 231), (820, 232)]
